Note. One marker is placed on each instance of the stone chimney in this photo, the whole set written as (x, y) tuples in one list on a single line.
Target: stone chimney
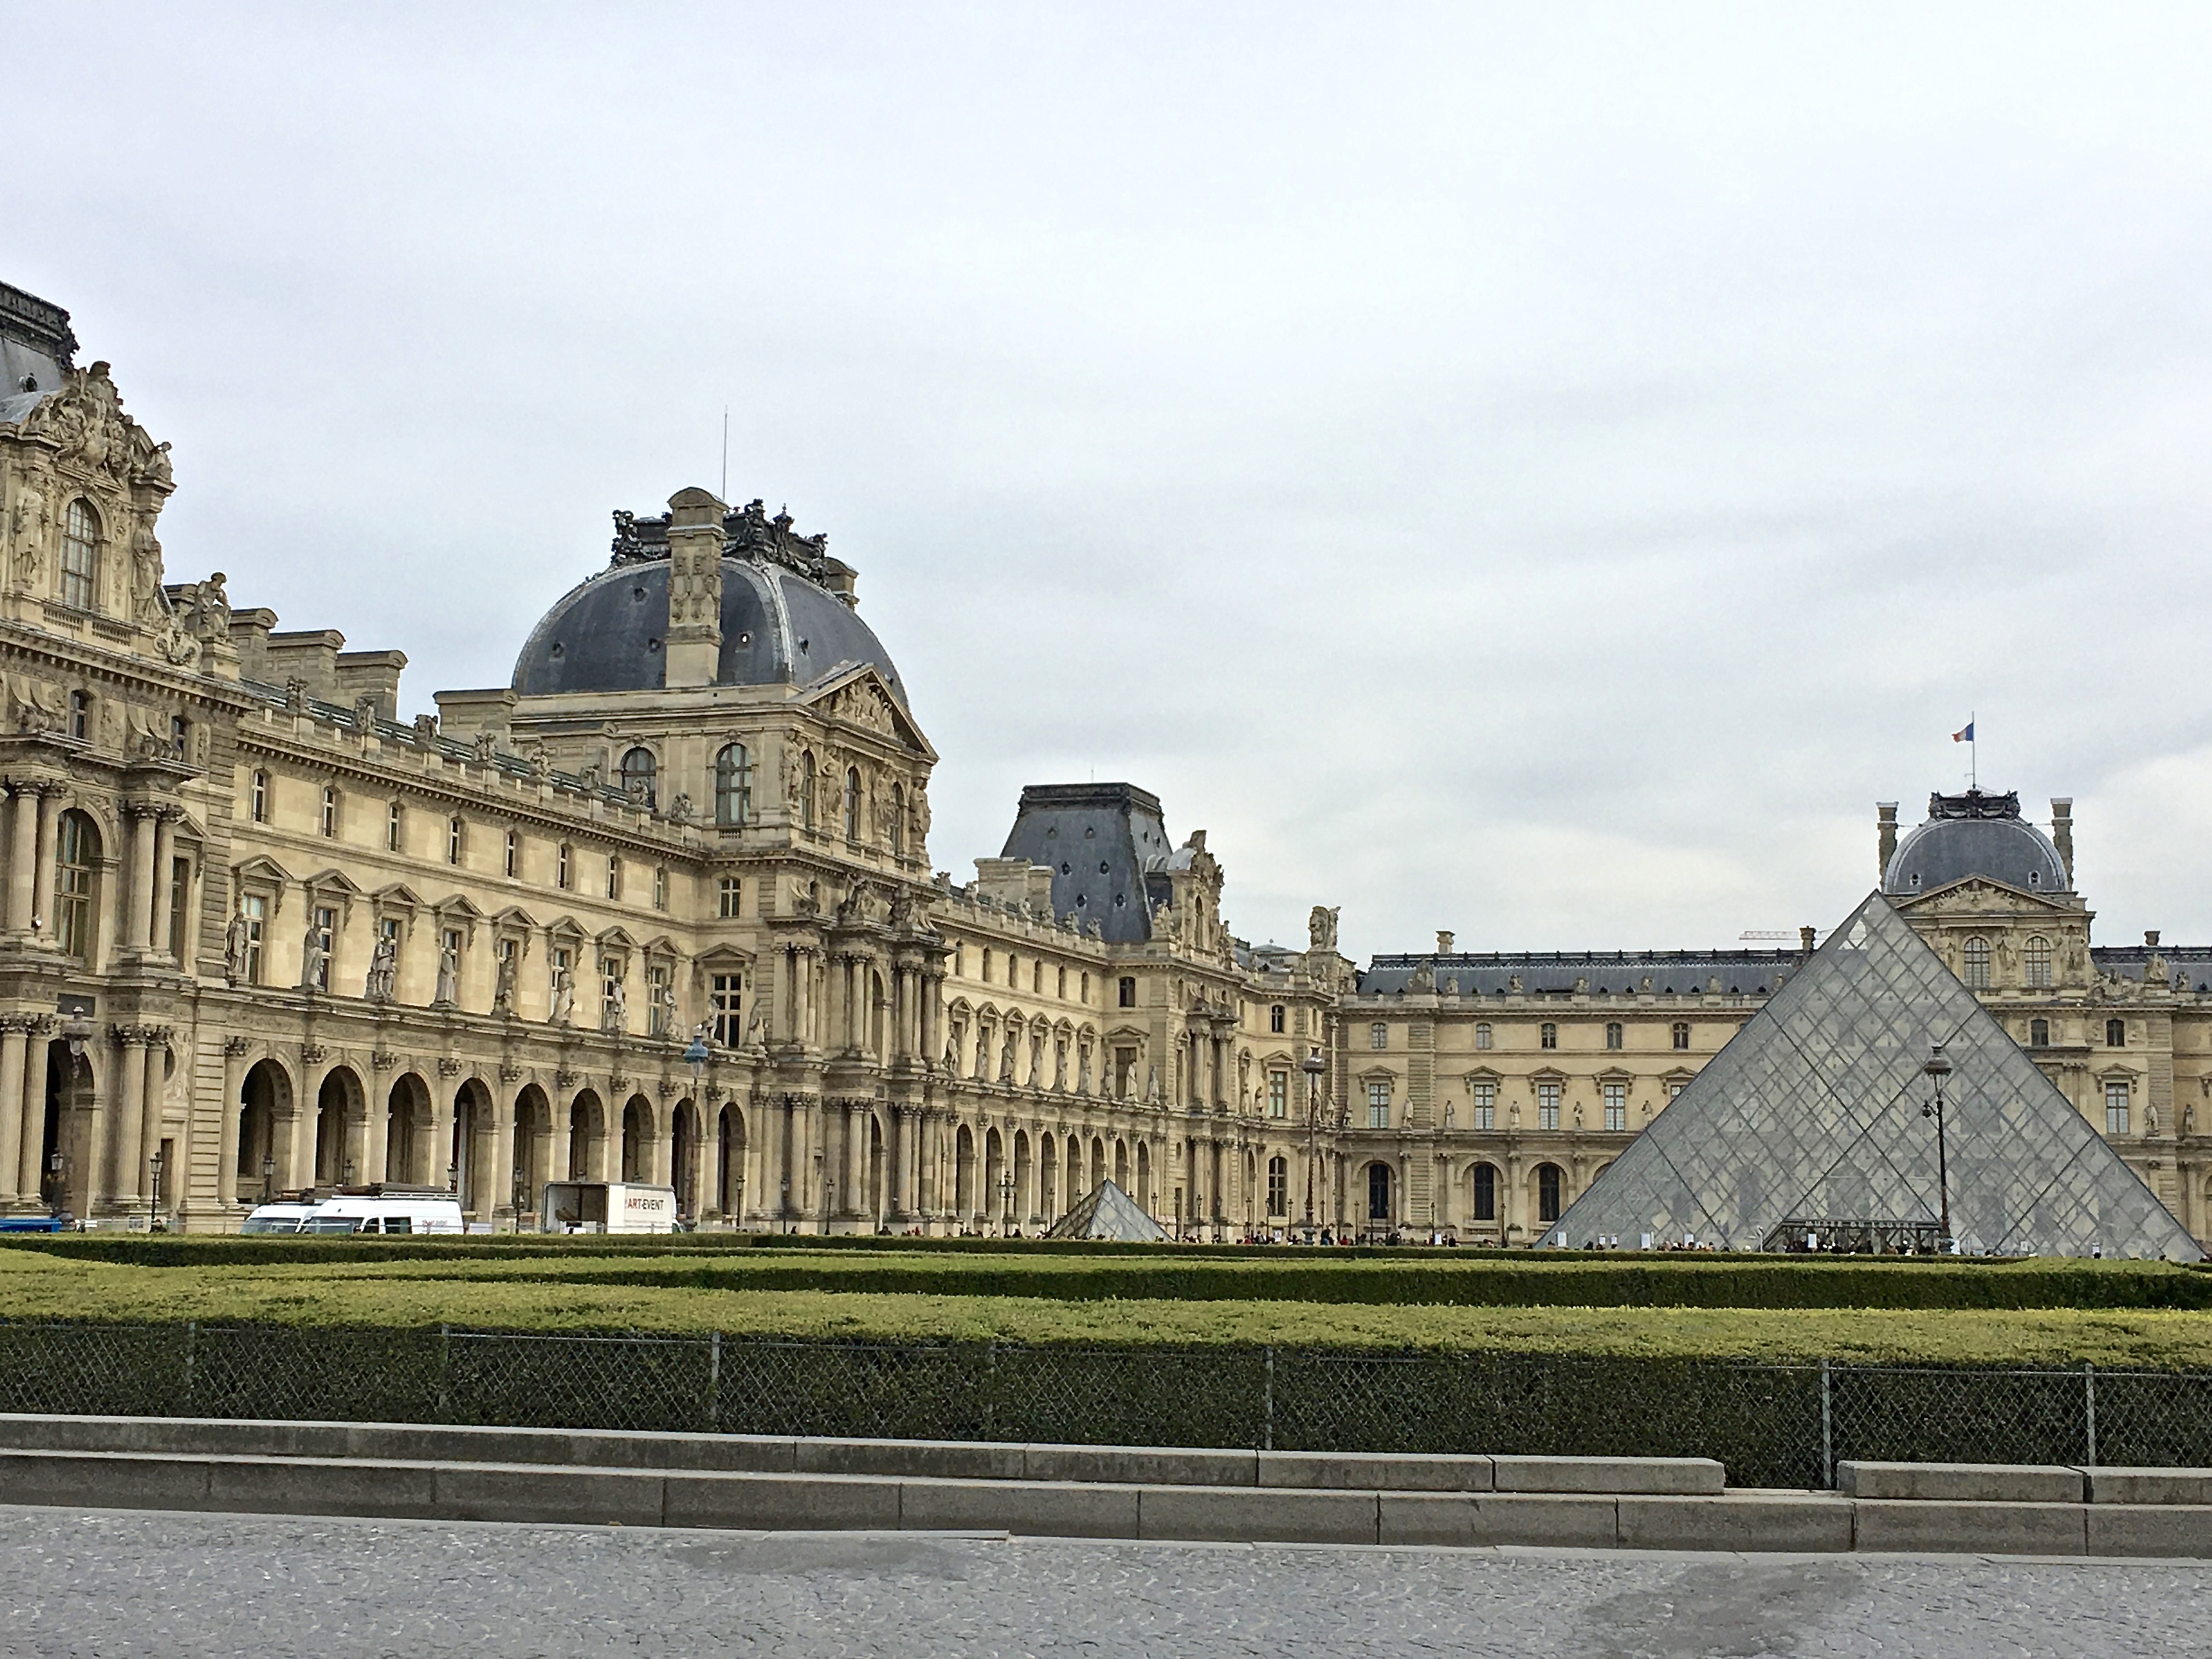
[(1443, 943), (694, 645), (2061, 834), (1805, 938), (1885, 815)]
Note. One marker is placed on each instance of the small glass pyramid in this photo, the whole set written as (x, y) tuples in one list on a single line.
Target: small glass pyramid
[(1812, 1115), (1106, 1211)]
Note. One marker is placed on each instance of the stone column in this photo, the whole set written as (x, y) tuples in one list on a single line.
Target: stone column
[(15, 1124), (23, 859), (158, 1038), (50, 797), (299, 1158), (768, 1124), (501, 1180), (124, 1119), (806, 1115), (29, 1106), (859, 1199), (557, 1144), (661, 1153), (165, 856), (375, 1131), (442, 1133), (233, 1085), (139, 919)]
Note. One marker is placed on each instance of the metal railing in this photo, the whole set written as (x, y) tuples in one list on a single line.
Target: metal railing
[(1771, 1424)]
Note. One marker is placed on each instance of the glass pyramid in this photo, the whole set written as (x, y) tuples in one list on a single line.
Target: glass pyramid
[(1106, 1211), (1812, 1113)]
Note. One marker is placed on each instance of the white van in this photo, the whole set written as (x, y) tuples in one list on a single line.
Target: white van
[(385, 1215), (606, 1206)]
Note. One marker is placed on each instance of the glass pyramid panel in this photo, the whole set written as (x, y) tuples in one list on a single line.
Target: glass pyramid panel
[(1106, 1211), (1812, 1112)]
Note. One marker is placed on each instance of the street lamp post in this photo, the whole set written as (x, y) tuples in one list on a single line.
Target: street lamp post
[(1937, 1070), (268, 1177), (1006, 1202), (1313, 1066), (154, 1193)]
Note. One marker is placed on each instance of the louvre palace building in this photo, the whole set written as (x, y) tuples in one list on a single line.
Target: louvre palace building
[(268, 930)]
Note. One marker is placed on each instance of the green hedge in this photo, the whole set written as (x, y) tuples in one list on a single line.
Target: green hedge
[(1081, 1274)]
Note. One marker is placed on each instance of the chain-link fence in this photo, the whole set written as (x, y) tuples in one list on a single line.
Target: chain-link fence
[(1772, 1425)]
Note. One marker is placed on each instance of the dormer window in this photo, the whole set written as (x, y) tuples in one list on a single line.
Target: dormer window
[(2035, 879)]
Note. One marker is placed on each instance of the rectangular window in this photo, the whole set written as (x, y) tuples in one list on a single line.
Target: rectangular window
[(327, 927), (1279, 1094), (1275, 1018), (614, 875), (1681, 1033), (1486, 1105), (453, 840), (726, 1000), (1547, 1036), (1036, 979), (557, 970), (514, 856), (1378, 1103), (180, 735), (1614, 1033), (1482, 1037), (74, 874), (1547, 1105), (259, 798), (2039, 1033), (732, 889), (329, 824), (658, 1021), (1379, 1035), (561, 867), (1059, 984), (986, 965), (391, 827), (1086, 987), (1128, 991), (661, 888), (180, 886), (255, 910), (614, 973), (1278, 1186), (2116, 1108), (1616, 1107)]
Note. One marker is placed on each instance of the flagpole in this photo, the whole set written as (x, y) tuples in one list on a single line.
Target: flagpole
[(1974, 752)]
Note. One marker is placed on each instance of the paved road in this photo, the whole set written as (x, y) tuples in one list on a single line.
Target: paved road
[(180, 1586)]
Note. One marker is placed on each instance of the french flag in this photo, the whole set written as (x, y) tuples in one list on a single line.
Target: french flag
[(1965, 734)]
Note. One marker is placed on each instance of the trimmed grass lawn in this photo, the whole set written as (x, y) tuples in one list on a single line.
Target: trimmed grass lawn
[(635, 1290)]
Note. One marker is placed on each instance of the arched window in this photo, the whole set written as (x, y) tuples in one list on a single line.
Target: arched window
[(79, 557), (1614, 1035), (1378, 1192), (852, 803), (2116, 1034), (1547, 1193), (1482, 1038), (806, 789), (2035, 963), (733, 784), (1485, 1192), (639, 769), (1682, 1034), (77, 861), (1975, 959), (898, 818), (1547, 1036)]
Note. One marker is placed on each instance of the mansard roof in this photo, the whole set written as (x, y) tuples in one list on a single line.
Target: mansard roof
[(1604, 973)]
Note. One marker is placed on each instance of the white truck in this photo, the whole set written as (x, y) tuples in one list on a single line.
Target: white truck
[(606, 1206), (360, 1213)]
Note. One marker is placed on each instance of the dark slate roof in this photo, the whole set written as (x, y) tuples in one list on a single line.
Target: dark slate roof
[(2188, 967), (36, 346), (1489, 973), (1107, 847), (1974, 834), (778, 628)]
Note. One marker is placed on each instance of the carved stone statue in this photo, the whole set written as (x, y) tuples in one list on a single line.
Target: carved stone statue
[(26, 530), (756, 1025), (449, 978), (679, 810), (564, 997), (383, 970), (1320, 928), (502, 994), (145, 574), (487, 747), (1424, 981), (614, 1014), (1151, 1086), (313, 959), (237, 946)]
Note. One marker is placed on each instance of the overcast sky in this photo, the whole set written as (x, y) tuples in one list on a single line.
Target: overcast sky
[(1543, 471)]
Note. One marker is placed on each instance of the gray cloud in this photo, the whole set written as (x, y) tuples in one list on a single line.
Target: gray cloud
[(1543, 471)]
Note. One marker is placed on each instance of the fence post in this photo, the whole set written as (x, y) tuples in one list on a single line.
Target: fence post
[(714, 1387), (1827, 1430), (1267, 1441), (191, 1347), (2089, 1407)]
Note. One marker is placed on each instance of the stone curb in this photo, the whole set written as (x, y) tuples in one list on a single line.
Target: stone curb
[(1792, 1523)]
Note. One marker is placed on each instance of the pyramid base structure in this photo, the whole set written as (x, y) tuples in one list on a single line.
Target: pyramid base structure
[(1817, 1127), (1108, 1213)]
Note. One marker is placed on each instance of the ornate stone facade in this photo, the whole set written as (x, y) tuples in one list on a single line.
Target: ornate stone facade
[(263, 935)]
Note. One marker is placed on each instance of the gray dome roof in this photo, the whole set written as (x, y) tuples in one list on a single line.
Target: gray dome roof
[(1948, 849), (606, 634)]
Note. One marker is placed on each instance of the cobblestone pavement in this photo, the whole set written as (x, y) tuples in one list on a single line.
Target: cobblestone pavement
[(182, 1585)]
